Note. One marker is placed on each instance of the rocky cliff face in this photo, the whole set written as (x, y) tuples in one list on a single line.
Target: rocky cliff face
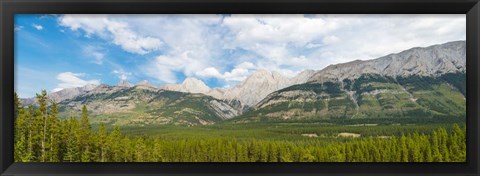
[(429, 61), (256, 86), (302, 77), (190, 85), (248, 92), (419, 82)]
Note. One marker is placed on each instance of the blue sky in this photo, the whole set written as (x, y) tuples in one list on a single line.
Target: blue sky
[(54, 52)]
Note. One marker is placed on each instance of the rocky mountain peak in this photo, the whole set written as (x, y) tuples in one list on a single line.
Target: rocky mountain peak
[(302, 77), (190, 84), (124, 83), (424, 61), (143, 83), (64, 94), (194, 85), (88, 87), (257, 86)]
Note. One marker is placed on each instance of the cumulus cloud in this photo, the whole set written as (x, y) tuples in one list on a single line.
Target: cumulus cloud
[(239, 73), (119, 33), (210, 72), (215, 46), (289, 43), (339, 38), (122, 75), (95, 53), (71, 80), (37, 26), (166, 67), (194, 42), (277, 29), (378, 35)]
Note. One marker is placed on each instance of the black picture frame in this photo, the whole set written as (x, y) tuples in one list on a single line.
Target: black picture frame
[(9, 8)]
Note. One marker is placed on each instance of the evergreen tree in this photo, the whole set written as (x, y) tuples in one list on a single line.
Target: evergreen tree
[(443, 139), (42, 119), (84, 135), (113, 142), (437, 156), (73, 152), (53, 134), (102, 140)]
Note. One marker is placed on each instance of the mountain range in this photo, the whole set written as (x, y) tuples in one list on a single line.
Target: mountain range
[(418, 82)]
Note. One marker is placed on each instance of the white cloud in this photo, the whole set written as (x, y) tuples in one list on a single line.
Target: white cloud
[(193, 41), (239, 73), (37, 26), (122, 75), (328, 39), (18, 28), (94, 53), (372, 36), (166, 67), (215, 46), (210, 72), (71, 80), (277, 29), (119, 33)]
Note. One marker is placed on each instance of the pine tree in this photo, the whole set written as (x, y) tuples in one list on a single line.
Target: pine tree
[(140, 150), (114, 140), (17, 104), (73, 153), (456, 141), (443, 138), (42, 117), (85, 136), (427, 150), (54, 134), (336, 155), (30, 129), (437, 156), (22, 152), (127, 150), (102, 140), (403, 149)]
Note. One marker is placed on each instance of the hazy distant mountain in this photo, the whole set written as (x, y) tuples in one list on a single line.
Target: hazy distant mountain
[(61, 95)]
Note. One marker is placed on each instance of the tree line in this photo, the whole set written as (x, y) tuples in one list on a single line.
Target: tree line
[(41, 136)]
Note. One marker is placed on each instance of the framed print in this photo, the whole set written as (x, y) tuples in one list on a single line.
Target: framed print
[(239, 88)]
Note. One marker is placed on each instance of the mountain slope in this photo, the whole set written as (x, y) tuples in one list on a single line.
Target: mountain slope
[(370, 96), (143, 105), (61, 95), (248, 92), (420, 82)]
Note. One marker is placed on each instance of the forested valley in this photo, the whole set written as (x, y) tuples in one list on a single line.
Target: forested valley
[(42, 136)]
